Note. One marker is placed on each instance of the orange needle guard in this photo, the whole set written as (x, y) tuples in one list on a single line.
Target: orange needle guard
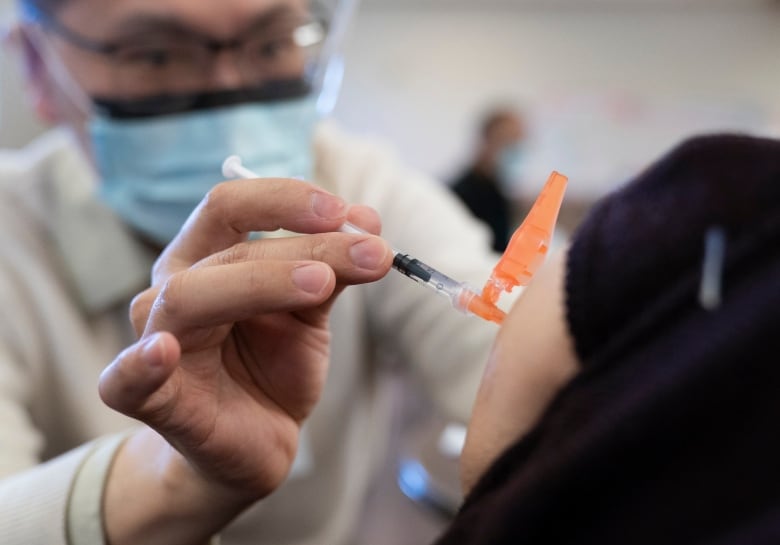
[(526, 250)]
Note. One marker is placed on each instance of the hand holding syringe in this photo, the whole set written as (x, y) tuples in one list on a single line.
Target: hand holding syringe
[(522, 258)]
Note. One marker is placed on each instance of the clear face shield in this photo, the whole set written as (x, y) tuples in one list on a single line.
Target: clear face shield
[(160, 129)]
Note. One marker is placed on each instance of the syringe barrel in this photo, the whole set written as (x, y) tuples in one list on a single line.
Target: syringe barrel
[(427, 275)]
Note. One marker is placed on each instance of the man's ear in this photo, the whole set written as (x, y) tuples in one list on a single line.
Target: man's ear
[(38, 83)]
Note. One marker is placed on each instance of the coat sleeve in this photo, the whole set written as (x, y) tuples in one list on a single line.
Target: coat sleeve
[(420, 216), (59, 502), (56, 502)]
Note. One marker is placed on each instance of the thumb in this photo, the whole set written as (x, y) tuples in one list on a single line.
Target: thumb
[(138, 373)]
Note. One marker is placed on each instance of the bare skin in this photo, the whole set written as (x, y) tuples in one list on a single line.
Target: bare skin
[(232, 357), (532, 359)]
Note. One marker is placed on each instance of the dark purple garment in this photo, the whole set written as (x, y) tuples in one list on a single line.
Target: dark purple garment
[(671, 432)]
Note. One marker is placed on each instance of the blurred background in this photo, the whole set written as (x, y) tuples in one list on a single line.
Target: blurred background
[(604, 87), (607, 84)]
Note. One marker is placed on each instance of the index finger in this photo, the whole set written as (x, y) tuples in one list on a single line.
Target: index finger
[(232, 210)]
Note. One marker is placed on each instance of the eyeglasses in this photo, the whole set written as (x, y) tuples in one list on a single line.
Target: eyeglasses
[(181, 61)]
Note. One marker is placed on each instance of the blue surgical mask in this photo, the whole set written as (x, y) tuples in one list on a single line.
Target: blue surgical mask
[(511, 162), (154, 171)]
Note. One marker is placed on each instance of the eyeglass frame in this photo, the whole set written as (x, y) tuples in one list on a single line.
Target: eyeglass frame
[(214, 46)]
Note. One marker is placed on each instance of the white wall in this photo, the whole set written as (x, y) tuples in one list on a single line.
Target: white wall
[(419, 77), (419, 72)]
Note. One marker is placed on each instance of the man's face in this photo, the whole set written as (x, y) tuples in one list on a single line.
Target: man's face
[(161, 46)]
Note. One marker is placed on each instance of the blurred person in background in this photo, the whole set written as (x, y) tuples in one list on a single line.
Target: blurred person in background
[(497, 165), (148, 98)]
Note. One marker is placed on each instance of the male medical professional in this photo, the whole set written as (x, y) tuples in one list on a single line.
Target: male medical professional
[(149, 96)]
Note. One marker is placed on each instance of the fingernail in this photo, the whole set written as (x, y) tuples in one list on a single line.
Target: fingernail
[(368, 254), (310, 278), (328, 206)]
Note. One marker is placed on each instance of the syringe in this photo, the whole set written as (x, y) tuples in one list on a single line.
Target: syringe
[(462, 297)]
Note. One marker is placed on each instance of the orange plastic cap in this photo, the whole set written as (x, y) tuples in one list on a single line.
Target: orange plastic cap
[(486, 310), (529, 244)]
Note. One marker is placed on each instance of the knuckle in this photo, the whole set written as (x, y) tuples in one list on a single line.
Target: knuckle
[(238, 253), (140, 307), (216, 199), (105, 391), (325, 247), (161, 266), (170, 300), (220, 206), (116, 388), (257, 278), (158, 268), (320, 247)]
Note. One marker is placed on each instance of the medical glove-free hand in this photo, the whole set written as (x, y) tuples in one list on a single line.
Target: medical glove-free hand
[(233, 351)]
